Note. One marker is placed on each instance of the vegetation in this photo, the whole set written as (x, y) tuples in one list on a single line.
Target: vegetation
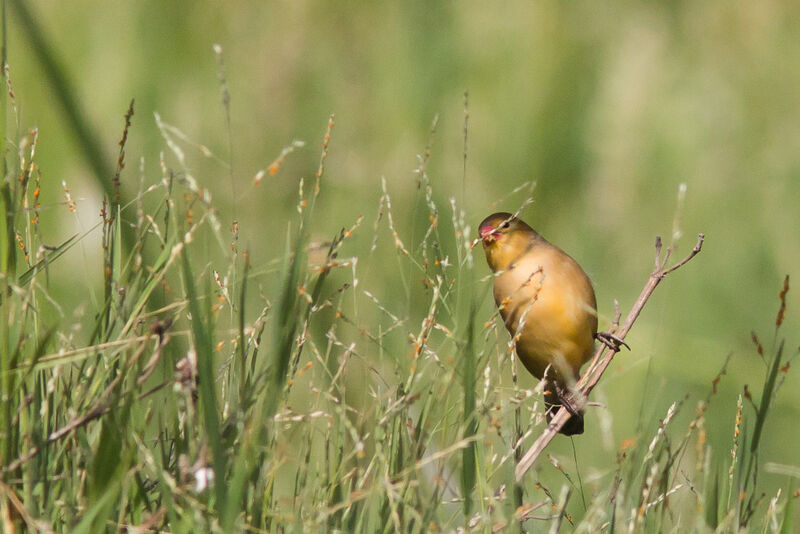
[(301, 347)]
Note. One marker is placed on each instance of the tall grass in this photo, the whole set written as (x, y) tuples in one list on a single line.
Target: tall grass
[(310, 400)]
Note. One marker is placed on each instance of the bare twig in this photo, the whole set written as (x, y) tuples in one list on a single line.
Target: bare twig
[(605, 354)]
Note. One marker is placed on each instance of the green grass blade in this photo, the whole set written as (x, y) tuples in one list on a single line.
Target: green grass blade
[(287, 320), (284, 329), (53, 255), (788, 510), (243, 379), (468, 464), (712, 503), (8, 252), (93, 520), (3, 96), (766, 398), (107, 458), (201, 335)]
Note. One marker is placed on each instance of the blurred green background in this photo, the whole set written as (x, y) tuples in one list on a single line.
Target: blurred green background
[(608, 107)]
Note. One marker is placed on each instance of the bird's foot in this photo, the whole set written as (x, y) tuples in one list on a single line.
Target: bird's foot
[(570, 399), (611, 341)]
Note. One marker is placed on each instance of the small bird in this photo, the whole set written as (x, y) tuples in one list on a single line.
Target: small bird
[(548, 305)]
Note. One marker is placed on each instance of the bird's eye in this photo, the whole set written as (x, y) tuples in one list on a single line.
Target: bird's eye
[(505, 224)]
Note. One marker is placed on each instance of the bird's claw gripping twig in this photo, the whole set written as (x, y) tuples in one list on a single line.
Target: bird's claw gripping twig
[(611, 341)]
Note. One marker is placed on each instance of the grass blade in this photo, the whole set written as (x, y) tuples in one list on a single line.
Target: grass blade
[(468, 464), (201, 334)]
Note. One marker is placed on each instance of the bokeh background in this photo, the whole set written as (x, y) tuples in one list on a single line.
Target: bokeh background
[(607, 107)]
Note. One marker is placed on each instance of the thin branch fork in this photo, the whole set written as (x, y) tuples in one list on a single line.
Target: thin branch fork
[(605, 353)]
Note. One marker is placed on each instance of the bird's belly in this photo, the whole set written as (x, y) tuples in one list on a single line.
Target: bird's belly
[(556, 322)]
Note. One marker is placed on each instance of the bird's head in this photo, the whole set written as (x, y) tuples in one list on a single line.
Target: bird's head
[(505, 238)]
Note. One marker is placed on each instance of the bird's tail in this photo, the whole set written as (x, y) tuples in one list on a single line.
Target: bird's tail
[(555, 397)]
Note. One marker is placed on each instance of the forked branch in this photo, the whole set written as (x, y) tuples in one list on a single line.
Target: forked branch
[(605, 353)]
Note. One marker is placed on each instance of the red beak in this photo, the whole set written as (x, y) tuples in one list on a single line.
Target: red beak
[(487, 233)]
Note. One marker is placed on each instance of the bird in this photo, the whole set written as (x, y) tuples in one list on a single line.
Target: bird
[(548, 305)]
